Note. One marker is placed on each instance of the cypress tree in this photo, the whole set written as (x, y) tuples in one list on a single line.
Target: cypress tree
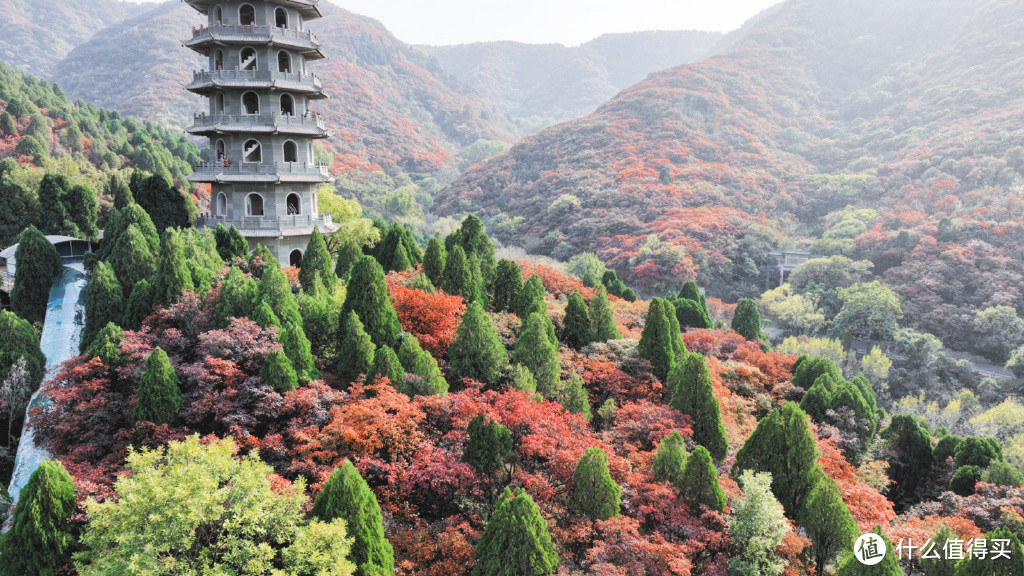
[(675, 333), (347, 496), (18, 339), (387, 365), (576, 333), (690, 291), (974, 451), (277, 293), (602, 320), (699, 486), (119, 192), (168, 207), (531, 298), (1009, 564), (508, 282), (356, 353), (488, 446), (316, 260), (694, 395), (516, 541), (670, 460), (910, 454), (419, 362), (594, 493), (53, 205), (159, 398), (119, 222), (522, 379), (746, 321), (575, 399), (237, 299), (784, 446), (348, 253), (17, 205), (656, 343), (828, 522), (278, 372), (265, 317), (367, 296), (434, 261), (399, 261), (536, 351), (173, 276), (238, 246), (140, 305), (8, 127), (41, 538), (83, 210), (106, 345), (299, 351), (458, 276), (479, 283), (477, 351), (131, 259), (103, 304), (38, 267), (691, 314)]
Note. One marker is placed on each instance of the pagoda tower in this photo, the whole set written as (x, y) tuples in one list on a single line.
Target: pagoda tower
[(263, 173)]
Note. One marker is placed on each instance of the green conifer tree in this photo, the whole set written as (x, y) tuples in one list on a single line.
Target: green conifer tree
[(670, 459), (348, 253), (264, 316), (140, 305), (387, 365), (8, 127), (173, 275), (747, 320), (119, 192), (656, 342), (479, 286), (131, 258), (19, 339), (367, 296), (159, 398), (508, 282), (348, 497), (42, 537), (168, 207), (477, 351), (699, 486), (691, 314), (594, 493), (434, 261), (675, 332), (535, 350), (909, 455), (693, 394), (577, 332), (522, 379), (940, 565), (458, 275), (1010, 563), (489, 445), (531, 298), (828, 523), (316, 260), (278, 372), (277, 293), (419, 362), (119, 222), (399, 259), (757, 527), (106, 345), (356, 353), (602, 320), (83, 210), (516, 541), (38, 267), (103, 303), (575, 398), (53, 205), (299, 351), (237, 299)]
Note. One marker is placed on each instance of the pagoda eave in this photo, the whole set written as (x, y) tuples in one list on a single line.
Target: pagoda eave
[(309, 9)]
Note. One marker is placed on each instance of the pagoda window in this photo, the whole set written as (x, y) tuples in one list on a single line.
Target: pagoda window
[(246, 15), (221, 150), (247, 59), (287, 105), (284, 62), (281, 18), (218, 105), (250, 103), (254, 205), (252, 151), (218, 60), (291, 152), (293, 205), (222, 204), (218, 16), (295, 258)]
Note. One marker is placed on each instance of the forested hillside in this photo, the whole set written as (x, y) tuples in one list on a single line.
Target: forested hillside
[(539, 84)]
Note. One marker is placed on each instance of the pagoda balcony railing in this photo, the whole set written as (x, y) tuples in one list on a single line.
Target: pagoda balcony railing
[(240, 122), (253, 34), (262, 169), (254, 79), (324, 221)]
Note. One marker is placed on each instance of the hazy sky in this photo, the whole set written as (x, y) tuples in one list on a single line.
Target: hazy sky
[(538, 21)]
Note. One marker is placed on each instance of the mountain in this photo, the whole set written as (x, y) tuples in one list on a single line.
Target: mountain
[(553, 82), (391, 106), (37, 34), (910, 109)]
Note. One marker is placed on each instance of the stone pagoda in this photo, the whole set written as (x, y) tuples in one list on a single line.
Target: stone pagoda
[(263, 173)]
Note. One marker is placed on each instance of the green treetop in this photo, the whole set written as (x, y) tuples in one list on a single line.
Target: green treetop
[(277, 293), (387, 365), (477, 351), (594, 493), (299, 351), (278, 372), (458, 276), (1010, 563), (577, 331), (429, 381), (575, 398), (434, 261), (131, 258), (516, 541), (757, 526), (140, 305), (699, 486), (357, 351), (42, 537), (488, 446), (173, 275), (367, 296), (670, 459), (536, 351), (602, 320), (694, 395), (691, 314), (53, 206), (237, 299), (103, 303), (316, 259), (508, 281), (119, 192), (530, 298), (746, 320), (83, 210), (656, 342), (346, 496), (38, 267), (849, 565), (828, 523), (348, 253), (159, 398)]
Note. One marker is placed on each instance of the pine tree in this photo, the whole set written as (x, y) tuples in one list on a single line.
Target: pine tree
[(691, 314), (83, 210), (265, 317), (479, 285), (103, 304), (53, 204), (522, 379), (828, 522), (675, 332), (299, 351), (910, 454), (168, 207), (400, 259), (508, 282), (757, 527), (230, 243), (531, 298), (940, 566), (173, 276), (356, 353), (434, 261), (784, 446), (577, 331), (670, 459), (119, 222), (237, 299), (348, 253), (19, 339), (18, 205), (277, 293), (278, 372), (367, 296), (602, 320), (699, 486), (159, 398), (119, 192), (316, 259), (106, 345), (140, 305), (420, 363), (693, 394), (131, 258), (516, 541), (656, 343), (41, 538), (8, 127), (38, 267), (458, 276), (746, 321), (488, 446), (347, 496), (477, 351), (575, 398), (594, 493), (387, 365), (536, 351)]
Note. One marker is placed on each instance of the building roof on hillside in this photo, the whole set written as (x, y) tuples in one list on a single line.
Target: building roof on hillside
[(8, 253)]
